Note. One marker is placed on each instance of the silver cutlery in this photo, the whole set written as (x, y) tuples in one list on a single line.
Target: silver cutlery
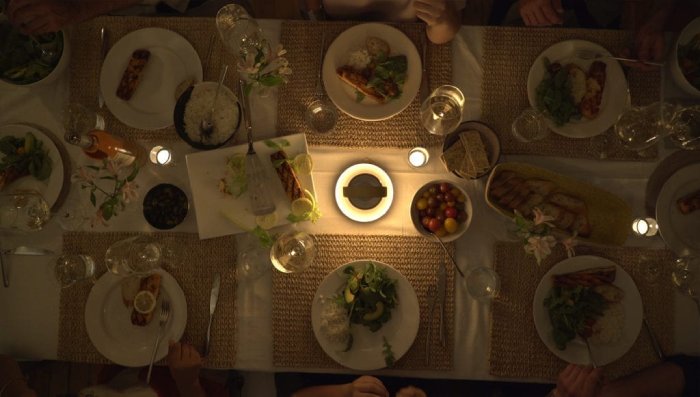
[(590, 352), (5, 276), (424, 83), (207, 126), (162, 320), (441, 293), (591, 55), (452, 259), (432, 298), (321, 114), (213, 299), (104, 46), (654, 341), (24, 250)]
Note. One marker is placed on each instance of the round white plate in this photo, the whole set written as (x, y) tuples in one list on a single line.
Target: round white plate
[(616, 97), (679, 231), (51, 188), (400, 331), (172, 60), (108, 322), (338, 54), (576, 351)]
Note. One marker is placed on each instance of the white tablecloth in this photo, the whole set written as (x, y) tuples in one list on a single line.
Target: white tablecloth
[(29, 308)]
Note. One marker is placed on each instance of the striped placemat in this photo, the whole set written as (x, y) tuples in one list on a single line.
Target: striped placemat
[(302, 42), (516, 349), (195, 263), (294, 343), (509, 52)]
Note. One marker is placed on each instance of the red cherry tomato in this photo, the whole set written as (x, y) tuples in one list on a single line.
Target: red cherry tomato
[(451, 212), (434, 225), (445, 187)]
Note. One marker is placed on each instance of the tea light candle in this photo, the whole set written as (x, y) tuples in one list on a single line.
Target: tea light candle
[(160, 155), (418, 157), (645, 227)]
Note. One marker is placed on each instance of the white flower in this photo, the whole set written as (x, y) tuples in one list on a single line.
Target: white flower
[(541, 218), (280, 50), (569, 244), (83, 174), (285, 70), (129, 192), (540, 246)]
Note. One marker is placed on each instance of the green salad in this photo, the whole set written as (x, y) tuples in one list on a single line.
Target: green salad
[(24, 156), (572, 311), (554, 94), (369, 295), (21, 58)]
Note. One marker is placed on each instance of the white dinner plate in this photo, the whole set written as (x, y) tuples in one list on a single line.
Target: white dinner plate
[(108, 321), (616, 97), (679, 231), (338, 54), (51, 188), (576, 351), (172, 60), (366, 352)]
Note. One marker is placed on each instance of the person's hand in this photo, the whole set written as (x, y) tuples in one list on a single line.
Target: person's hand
[(411, 391), (433, 12), (578, 381), (39, 16), (184, 362), (541, 12), (366, 386), (648, 46)]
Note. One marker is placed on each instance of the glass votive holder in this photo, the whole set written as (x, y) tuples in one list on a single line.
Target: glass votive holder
[(70, 269), (160, 155), (646, 227), (418, 157)]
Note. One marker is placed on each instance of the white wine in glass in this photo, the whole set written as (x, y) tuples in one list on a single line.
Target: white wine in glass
[(441, 112), (293, 252)]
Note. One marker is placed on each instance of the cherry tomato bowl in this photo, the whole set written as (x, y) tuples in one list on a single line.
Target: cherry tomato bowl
[(442, 208)]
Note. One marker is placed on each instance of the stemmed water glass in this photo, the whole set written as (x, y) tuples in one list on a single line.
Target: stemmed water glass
[(240, 33), (293, 251), (640, 128), (441, 112), (24, 211), (136, 255), (686, 277), (686, 127)]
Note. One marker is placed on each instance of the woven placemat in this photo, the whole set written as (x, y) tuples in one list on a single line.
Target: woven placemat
[(302, 41), (85, 61), (509, 53), (516, 349), (294, 344), (196, 262)]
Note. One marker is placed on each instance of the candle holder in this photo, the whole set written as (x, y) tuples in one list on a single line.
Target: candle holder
[(646, 227), (418, 157), (161, 155)]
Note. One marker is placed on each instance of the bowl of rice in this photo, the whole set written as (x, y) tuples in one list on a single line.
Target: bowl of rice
[(194, 105)]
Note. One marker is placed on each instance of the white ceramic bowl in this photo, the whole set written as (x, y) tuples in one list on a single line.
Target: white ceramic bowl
[(416, 218), (688, 32)]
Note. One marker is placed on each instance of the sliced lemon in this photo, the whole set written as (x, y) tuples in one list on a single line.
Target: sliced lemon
[(310, 196), (302, 206), (303, 163), (144, 302), (267, 221)]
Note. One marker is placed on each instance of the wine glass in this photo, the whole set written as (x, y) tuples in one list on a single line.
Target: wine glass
[(136, 255), (483, 283), (530, 126), (441, 112), (240, 33), (293, 251), (640, 128), (686, 127), (23, 210), (686, 277), (69, 269), (253, 261)]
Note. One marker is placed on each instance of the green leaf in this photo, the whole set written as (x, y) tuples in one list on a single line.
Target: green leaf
[(92, 167), (265, 238), (133, 174), (359, 96), (271, 80), (93, 198), (389, 359)]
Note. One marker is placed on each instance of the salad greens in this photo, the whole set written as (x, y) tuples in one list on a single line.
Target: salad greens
[(553, 94), (389, 358), (689, 60), (572, 311), (368, 296), (21, 60), (24, 156), (388, 75)]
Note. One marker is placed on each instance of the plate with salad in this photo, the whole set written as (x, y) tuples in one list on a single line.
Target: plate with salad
[(30, 160), (365, 315), (580, 98), (372, 71), (592, 297)]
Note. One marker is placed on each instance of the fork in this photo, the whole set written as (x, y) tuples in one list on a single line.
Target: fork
[(590, 55), (162, 320), (590, 352)]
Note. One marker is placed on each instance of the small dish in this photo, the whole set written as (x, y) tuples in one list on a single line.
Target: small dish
[(181, 108), (488, 137), (165, 206), (690, 31), (417, 218)]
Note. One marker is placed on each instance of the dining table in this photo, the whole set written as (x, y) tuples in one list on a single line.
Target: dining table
[(263, 325)]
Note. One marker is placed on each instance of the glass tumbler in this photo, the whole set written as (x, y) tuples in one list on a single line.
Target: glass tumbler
[(135, 256), (640, 128), (293, 251), (69, 269), (441, 112), (483, 283), (24, 211), (530, 126), (686, 128)]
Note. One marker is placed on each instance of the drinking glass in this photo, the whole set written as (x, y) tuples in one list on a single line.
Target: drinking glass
[(686, 277), (686, 127), (640, 128), (136, 255), (483, 283), (441, 112), (69, 269), (321, 115), (253, 261), (79, 120), (530, 126), (24, 210), (293, 251), (240, 33)]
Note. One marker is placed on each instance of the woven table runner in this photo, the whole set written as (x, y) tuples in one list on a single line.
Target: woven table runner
[(85, 61), (516, 349), (196, 262), (294, 343), (302, 41), (508, 55)]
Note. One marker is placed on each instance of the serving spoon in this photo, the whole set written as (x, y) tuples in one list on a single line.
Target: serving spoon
[(207, 126)]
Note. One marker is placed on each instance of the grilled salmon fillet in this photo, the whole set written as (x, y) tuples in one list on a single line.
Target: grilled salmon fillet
[(287, 176), (358, 81), (151, 284), (132, 74)]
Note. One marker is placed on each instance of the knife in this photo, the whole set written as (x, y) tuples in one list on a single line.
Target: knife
[(104, 41), (24, 250), (5, 276), (441, 292), (654, 342), (213, 298), (424, 83), (432, 297)]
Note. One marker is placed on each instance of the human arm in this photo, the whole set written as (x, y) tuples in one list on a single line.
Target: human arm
[(578, 381), (44, 16), (12, 381), (184, 363), (665, 379), (364, 386), (441, 16), (541, 12)]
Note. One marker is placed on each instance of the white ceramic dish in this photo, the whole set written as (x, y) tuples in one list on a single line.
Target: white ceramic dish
[(172, 61), (353, 39), (576, 351), (366, 352), (616, 97), (679, 231), (51, 188), (415, 218), (692, 29), (108, 322), (205, 169)]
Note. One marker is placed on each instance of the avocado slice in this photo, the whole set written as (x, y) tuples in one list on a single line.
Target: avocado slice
[(378, 311), (349, 296)]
